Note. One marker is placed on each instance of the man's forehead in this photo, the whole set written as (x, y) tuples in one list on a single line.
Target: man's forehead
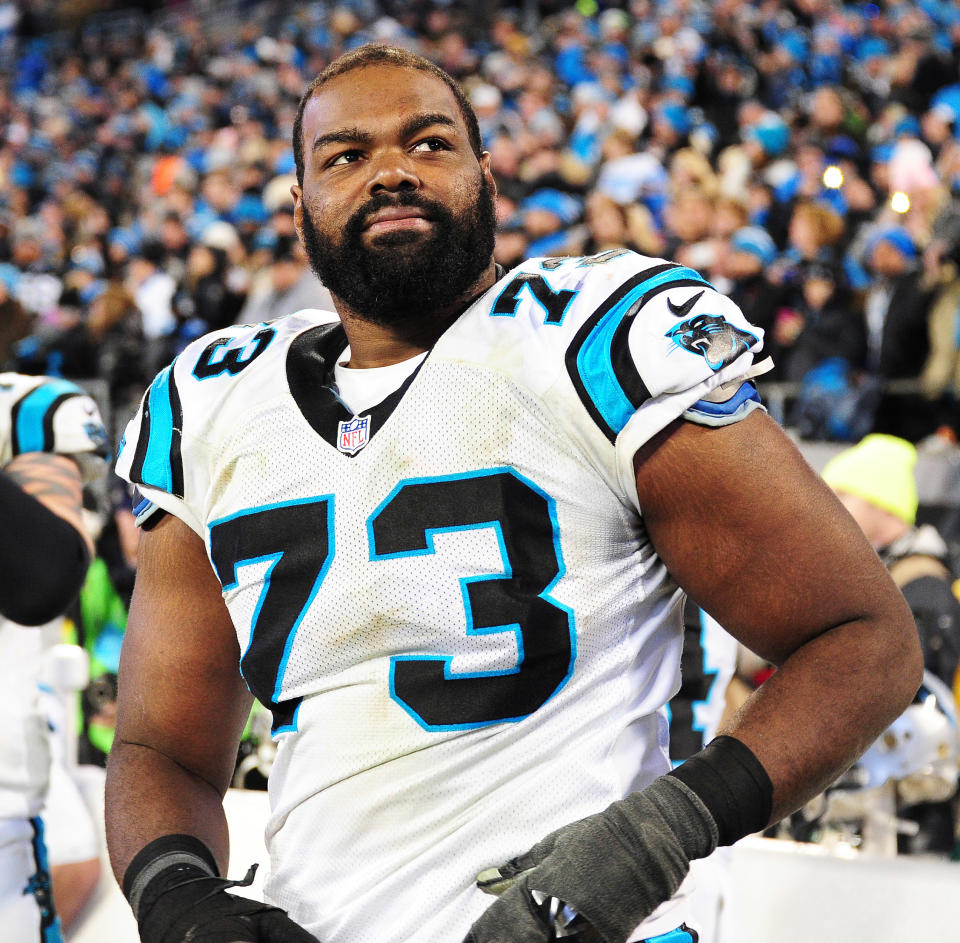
[(377, 94)]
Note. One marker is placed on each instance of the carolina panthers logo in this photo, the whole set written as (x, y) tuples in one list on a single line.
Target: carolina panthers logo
[(713, 338)]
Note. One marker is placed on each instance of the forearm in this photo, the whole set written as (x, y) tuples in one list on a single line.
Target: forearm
[(43, 554), (827, 703), (163, 825), (149, 795), (791, 576)]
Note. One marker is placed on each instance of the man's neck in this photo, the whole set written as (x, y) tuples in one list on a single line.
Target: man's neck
[(379, 345)]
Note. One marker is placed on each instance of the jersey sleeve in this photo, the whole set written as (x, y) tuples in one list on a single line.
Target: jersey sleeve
[(662, 344), (42, 414), (169, 449), (150, 456)]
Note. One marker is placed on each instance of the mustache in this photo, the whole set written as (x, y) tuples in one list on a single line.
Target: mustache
[(383, 200)]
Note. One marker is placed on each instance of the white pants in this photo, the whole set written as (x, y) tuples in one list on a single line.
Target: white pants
[(27, 914)]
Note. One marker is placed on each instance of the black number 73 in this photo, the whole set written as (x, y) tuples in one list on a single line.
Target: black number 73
[(296, 538)]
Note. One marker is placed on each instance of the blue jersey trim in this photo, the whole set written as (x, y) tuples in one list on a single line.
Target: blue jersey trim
[(683, 934), (747, 392), (33, 429), (157, 468), (595, 358)]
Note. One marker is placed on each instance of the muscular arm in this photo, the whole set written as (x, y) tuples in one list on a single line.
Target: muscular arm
[(758, 541), (44, 547), (181, 705)]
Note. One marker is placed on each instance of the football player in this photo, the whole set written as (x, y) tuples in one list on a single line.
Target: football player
[(52, 440), (444, 534)]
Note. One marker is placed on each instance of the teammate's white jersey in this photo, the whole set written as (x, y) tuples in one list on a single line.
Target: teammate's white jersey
[(37, 414), (449, 601)]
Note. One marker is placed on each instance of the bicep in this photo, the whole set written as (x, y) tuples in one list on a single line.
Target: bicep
[(753, 535), (180, 691)]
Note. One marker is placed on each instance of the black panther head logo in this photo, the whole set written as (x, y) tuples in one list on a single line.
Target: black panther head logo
[(713, 338)]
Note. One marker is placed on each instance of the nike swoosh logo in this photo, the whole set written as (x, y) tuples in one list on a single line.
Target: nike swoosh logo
[(681, 311)]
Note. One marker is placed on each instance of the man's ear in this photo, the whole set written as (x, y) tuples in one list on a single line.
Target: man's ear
[(297, 194), (487, 172)]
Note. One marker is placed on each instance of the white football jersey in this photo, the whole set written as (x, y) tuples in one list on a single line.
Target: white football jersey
[(37, 414), (448, 601)]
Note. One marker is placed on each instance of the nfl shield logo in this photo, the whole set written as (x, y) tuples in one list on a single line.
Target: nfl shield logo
[(353, 435)]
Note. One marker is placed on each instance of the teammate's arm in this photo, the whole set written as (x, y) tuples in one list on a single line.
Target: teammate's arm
[(759, 542), (44, 547)]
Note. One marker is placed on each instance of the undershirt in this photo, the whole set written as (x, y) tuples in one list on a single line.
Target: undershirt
[(362, 387)]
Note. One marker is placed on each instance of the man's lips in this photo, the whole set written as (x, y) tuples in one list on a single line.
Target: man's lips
[(393, 218)]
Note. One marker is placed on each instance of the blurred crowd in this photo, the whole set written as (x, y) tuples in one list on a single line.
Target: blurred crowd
[(804, 156)]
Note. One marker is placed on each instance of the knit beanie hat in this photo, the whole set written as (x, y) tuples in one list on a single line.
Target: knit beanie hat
[(879, 469)]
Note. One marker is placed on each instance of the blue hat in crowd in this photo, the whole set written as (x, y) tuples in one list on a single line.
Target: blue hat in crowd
[(249, 209), (285, 163), (771, 133), (795, 43), (678, 83), (756, 241), (127, 238), (676, 116), (882, 153), (9, 276), (908, 124), (897, 237), (842, 146), (566, 207), (871, 48)]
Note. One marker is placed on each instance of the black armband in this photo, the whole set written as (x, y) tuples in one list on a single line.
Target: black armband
[(164, 863), (43, 558), (731, 782)]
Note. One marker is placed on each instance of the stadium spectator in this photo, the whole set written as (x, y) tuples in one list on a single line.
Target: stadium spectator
[(876, 482), (823, 322), (286, 285), (745, 264), (153, 290), (896, 310), (210, 293)]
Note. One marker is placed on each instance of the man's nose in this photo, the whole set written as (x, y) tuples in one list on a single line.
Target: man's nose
[(393, 170)]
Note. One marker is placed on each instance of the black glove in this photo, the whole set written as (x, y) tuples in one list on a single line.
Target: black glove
[(598, 878), (185, 902)]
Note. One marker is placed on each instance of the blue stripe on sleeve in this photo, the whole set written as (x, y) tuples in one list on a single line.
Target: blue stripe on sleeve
[(32, 412), (157, 471), (594, 360), (746, 392)]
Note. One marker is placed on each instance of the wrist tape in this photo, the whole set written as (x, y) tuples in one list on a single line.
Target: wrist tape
[(183, 856), (731, 782)]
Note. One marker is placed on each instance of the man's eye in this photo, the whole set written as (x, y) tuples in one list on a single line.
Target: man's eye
[(431, 144), (346, 157)]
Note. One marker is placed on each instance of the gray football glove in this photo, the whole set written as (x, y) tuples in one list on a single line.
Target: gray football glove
[(598, 878)]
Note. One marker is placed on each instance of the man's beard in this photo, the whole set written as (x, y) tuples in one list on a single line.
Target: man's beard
[(406, 275)]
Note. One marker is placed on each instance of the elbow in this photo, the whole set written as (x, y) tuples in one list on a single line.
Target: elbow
[(903, 659)]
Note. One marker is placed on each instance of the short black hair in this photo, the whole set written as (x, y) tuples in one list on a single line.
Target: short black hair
[(382, 54)]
